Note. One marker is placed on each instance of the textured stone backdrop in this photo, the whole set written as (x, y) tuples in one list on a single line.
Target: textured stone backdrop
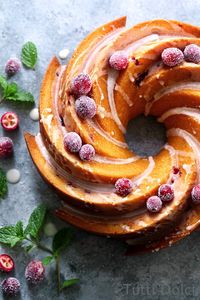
[(104, 272)]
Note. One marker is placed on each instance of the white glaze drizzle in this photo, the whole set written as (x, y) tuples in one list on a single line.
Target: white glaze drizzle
[(192, 112), (123, 94), (171, 89), (111, 81), (138, 179), (192, 142)]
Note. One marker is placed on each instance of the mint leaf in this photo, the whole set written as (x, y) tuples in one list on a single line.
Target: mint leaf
[(3, 184), (19, 229), (69, 282), (61, 240), (35, 221), (9, 236), (47, 260), (24, 97), (3, 82), (12, 92), (29, 55)]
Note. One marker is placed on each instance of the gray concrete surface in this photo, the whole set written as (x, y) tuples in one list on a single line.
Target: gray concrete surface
[(104, 272)]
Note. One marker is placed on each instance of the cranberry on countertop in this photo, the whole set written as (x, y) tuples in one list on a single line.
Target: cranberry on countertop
[(10, 286), (35, 272), (6, 147), (6, 263)]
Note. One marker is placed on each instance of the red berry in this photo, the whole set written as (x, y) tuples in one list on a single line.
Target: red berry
[(10, 286), (123, 186), (13, 66), (6, 263), (85, 107), (87, 152), (9, 121), (35, 272), (81, 85), (6, 147), (72, 142), (154, 204), (166, 192), (172, 57), (118, 60), (196, 194), (192, 53)]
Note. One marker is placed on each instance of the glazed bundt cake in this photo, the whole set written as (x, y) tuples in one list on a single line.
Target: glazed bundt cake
[(114, 75)]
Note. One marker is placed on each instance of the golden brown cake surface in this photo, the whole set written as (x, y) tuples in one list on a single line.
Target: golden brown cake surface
[(146, 86)]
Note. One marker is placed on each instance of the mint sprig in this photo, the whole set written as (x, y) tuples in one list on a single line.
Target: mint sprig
[(16, 235), (3, 184), (12, 92), (29, 55)]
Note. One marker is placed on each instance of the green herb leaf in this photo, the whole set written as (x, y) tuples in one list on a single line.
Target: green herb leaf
[(19, 229), (35, 221), (47, 260), (3, 184), (3, 82), (12, 92), (23, 96), (61, 240), (29, 55), (29, 248), (9, 236), (69, 282)]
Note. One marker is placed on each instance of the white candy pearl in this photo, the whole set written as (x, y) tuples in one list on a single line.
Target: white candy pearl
[(34, 114), (13, 176), (63, 53)]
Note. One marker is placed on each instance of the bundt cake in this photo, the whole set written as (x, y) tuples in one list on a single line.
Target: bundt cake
[(114, 75)]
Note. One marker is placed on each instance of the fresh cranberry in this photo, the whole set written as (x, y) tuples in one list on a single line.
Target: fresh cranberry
[(72, 142), (35, 272), (6, 147), (87, 152), (9, 121), (10, 286), (6, 263), (172, 57), (166, 192), (81, 85), (196, 194), (123, 186), (85, 107), (192, 53), (118, 60), (154, 204), (13, 66)]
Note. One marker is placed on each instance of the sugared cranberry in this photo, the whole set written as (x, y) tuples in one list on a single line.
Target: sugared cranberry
[(10, 286), (13, 66), (192, 53), (81, 85), (35, 272), (154, 204), (196, 194), (85, 107), (87, 152), (6, 263), (118, 60), (172, 57), (72, 142), (9, 121), (166, 192), (6, 147), (123, 186)]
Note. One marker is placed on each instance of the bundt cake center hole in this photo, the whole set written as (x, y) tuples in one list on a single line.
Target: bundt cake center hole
[(145, 136)]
